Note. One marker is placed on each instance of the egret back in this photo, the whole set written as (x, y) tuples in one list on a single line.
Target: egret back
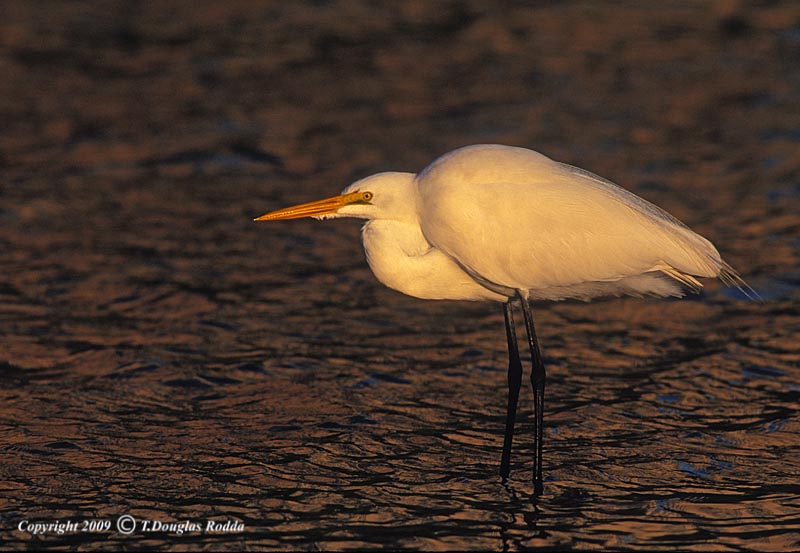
[(519, 220)]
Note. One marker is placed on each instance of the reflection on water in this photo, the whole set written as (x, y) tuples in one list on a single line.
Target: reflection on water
[(164, 357)]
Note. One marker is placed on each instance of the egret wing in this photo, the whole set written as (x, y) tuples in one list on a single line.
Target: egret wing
[(519, 220)]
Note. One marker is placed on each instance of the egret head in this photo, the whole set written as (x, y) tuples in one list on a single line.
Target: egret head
[(381, 196)]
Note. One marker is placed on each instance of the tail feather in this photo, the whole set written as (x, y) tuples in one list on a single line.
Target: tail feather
[(730, 277), (726, 274), (688, 280)]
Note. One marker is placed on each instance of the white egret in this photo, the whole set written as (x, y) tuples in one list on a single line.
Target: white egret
[(499, 223)]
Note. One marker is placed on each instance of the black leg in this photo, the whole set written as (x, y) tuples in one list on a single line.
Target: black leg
[(537, 380), (514, 385)]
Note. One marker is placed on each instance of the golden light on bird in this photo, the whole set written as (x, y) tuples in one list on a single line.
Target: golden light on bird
[(498, 223)]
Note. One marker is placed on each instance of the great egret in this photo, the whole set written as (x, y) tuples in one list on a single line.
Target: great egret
[(499, 223)]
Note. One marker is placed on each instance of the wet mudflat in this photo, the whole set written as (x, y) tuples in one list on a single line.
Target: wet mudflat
[(164, 357)]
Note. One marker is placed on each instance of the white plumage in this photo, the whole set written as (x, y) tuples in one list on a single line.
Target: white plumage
[(491, 222), (484, 221)]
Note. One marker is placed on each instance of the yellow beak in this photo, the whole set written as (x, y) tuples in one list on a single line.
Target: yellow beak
[(311, 209)]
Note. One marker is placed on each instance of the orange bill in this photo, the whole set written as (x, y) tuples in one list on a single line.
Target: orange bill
[(312, 209)]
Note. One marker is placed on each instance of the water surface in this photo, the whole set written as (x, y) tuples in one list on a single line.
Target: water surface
[(164, 357)]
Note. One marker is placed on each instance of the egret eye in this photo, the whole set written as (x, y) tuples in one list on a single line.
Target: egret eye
[(366, 196)]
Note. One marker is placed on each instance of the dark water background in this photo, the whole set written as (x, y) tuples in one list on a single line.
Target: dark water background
[(164, 357)]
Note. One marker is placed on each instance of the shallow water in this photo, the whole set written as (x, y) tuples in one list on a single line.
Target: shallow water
[(166, 358)]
